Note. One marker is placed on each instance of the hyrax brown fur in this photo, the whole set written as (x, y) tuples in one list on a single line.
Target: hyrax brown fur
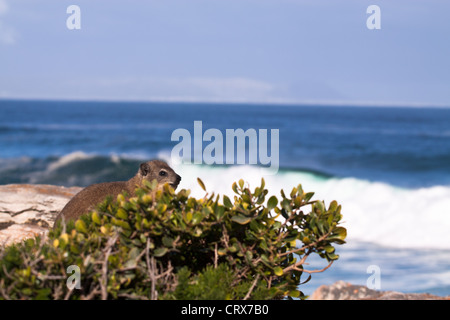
[(91, 196)]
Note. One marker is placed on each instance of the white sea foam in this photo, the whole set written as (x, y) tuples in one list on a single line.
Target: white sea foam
[(374, 212), (67, 159)]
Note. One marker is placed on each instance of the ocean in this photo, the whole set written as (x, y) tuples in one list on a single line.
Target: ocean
[(389, 167)]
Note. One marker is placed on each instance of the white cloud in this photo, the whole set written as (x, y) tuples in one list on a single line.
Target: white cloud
[(179, 88), (232, 86), (7, 33), (3, 7), (145, 88)]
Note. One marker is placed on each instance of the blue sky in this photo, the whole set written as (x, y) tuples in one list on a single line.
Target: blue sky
[(289, 51)]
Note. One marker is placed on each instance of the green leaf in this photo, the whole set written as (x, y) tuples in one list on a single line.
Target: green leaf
[(96, 218), (74, 249), (153, 184), (265, 260), (234, 187), (80, 226), (263, 245), (122, 214), (340, 233), (43, 294), (286, 204), (319, 206), (332, 256), (249, 257), (234, 248), (276, 225), (241, 219), (333, 206), (278, 271), (293, 192), (227, 202), (320, 225), (298, 201), (188, 217), (206, 211), (198, 232), (134, 253), (197, 217), (167, 241), (257, 192), (202, 185), (272, 203), (241, 183), (308, 196), (160, 252), (219, 212), (294, 293)]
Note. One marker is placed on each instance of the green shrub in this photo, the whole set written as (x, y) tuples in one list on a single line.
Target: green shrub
[(167, 245)]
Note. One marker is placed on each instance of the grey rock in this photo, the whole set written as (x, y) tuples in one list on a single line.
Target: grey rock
[(29, 210), (341, 290)]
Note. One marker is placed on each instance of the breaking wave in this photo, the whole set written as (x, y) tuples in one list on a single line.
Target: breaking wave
[(374, 212)]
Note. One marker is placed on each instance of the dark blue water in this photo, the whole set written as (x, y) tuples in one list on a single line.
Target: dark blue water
[(407, 147)]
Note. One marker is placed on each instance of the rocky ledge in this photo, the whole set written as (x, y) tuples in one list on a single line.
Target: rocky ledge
[(29, 210), (346, 291)]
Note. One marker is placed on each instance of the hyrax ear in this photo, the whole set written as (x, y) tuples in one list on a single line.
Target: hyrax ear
[(144, 169)]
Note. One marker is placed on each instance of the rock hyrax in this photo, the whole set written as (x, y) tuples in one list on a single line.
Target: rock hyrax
[(91, 196)]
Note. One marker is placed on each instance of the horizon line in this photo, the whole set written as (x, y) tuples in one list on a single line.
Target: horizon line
[(280, 102)]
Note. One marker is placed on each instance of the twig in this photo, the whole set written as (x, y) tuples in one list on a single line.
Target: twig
[(68, 294), (38, 258), (216, 256), (6, 272), (63, 224), (44, 277), (92, 294), (317, 271), (251, 288), (132, 296), (104, 279), (294, 267), (225, 238), (307, 246), (4, 294), (151, 272)]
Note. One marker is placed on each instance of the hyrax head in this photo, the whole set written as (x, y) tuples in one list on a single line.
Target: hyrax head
[(159, 170)]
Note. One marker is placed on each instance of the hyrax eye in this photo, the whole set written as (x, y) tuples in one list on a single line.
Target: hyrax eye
[(162, 173)]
